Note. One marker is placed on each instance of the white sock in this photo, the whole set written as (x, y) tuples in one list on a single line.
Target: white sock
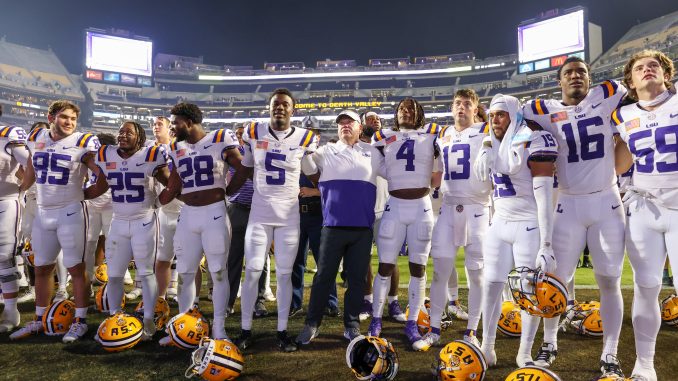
[(369, 298), (284, 295), (475, 297), (438, 291), (380, 289), (646, 322), (491, 306), (612, 312), (186, 291), (453, 285), (114, 292), (248, 298), (417, 292), (149, 294)]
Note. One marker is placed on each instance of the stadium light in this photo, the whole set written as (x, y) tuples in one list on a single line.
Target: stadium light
[(389, 73)]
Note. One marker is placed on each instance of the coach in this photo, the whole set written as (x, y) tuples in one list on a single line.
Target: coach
[(346, 173)]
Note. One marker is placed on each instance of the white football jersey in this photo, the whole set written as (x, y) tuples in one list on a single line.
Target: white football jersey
[(277, 166), (173, 206), (59, 170), (513, 195), (586, 159), (202, 165), (408, 156), (458, 151), (8, 164), (132, 192), (652, 137)]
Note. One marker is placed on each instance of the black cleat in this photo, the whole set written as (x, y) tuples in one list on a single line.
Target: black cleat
[(285, 343), (245, 340)]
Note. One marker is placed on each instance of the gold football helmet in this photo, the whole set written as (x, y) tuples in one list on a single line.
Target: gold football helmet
[(537, 292), (372, 358), (510, 323), (101, 299), (460, 361), (119, 332), (185, 330), (216, 360), (160, 315), (58, 317), (532, 373), (28, 254), (423, 320), (101, 273), (670, 310), (588, 323)]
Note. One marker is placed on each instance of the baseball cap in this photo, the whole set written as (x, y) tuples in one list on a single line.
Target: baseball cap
[(350, 113)]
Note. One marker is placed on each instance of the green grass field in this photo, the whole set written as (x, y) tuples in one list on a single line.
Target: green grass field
[(43, 357)]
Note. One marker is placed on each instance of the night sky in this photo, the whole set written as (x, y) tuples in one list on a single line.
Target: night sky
[(246, 32)]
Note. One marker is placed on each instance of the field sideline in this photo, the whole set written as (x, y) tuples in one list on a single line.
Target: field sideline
[(40, 356)]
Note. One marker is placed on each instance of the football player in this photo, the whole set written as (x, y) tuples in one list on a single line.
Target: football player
[(274, 151), (127, 170), (588, 208), (167, 217), (649, 128), (12, 155), (409, 151), (464, 215), (521, 163), (200, 162), (371, 124), (58, 165), (100, 214)]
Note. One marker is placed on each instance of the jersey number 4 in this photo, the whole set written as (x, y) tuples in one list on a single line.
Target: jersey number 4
[(406, 152)]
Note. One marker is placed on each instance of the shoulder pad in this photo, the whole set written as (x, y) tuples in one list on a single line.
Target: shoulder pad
[(432, 128), (253, 130), (617, 118), (306, 139), (153, 152), (13, 134), (538, 107), (84, 140), (34, 134), (609, 88), (101, 153)]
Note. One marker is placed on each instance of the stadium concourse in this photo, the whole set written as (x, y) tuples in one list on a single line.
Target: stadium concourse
[(186, 98)]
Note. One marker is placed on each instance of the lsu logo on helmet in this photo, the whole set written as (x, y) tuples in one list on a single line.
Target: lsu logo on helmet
[(185, 330), (670, 310), (372, 358), (119, 332), (461, 361), (101, 273), (532, 373), (510, 322), (101, 299), (216, 360), (58, 317), (160, 314), (537, 292), (584, 318)]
